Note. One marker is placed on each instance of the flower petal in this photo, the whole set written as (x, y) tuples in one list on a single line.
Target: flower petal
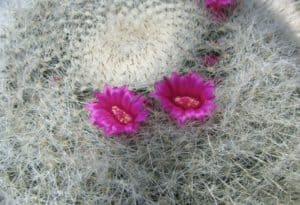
[(189, 89), (113, 105)]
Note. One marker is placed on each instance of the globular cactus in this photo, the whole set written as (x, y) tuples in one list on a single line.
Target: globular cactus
[(61, 50), (138, 42)]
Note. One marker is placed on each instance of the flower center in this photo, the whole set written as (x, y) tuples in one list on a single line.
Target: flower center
[(187, 102), (121, 115)]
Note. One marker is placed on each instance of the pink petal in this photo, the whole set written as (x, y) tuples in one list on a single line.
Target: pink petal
[(190, 85), (128, 103)]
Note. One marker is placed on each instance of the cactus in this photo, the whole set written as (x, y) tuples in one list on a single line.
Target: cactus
[(60, 51)]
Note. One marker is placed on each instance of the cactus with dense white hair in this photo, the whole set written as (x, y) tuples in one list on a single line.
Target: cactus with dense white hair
[(139, 42), (61, 50)]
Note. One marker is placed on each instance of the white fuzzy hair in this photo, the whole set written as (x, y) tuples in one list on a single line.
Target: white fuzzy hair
[(286, 12), (138, 42), (248, 153)]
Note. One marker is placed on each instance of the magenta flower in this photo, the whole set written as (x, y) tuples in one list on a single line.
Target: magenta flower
[(220, 9), (210, 59), (117, 110), (186, 97)]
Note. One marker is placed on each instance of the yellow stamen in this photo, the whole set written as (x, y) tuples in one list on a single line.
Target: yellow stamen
[(121, 115), (187, 102)]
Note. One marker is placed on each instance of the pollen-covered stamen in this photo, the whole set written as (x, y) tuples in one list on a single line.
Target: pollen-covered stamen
[(121, 115), (187, 102)]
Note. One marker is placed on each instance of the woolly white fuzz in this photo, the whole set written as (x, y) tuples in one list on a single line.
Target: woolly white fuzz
[(138, 42), (248, 153), (286, 12)]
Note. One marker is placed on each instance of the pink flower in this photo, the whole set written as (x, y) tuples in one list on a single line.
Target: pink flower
[(57, 78), (220, 8), (210, 59), (117, 110), (186, 97)]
